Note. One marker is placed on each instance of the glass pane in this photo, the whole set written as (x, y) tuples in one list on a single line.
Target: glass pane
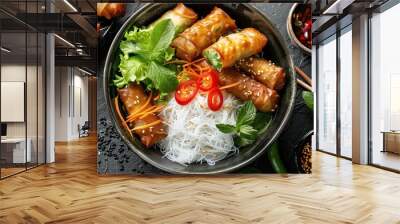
[(327, 96), (385, 84), (31, 87), (31, 97), (13, 86), (346, 94), (41, 99)]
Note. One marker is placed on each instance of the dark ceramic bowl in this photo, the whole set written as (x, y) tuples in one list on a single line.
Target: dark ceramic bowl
[(276, 50), (299, 150)]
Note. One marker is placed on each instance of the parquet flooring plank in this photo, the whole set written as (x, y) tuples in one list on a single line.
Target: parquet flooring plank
[(71, 191)]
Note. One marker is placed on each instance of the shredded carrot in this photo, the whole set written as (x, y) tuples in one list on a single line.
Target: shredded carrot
[(190, 71), (120, 115), (194, 62), (151, 112), (198, 67), (143, 106), (199, 60), (230, 85), (147, 125), (140, 114), (194, 74)]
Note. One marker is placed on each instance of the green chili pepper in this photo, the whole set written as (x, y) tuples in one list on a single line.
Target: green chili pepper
[(275, 159)]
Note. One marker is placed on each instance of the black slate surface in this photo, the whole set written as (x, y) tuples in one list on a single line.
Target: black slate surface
[(114, 157)]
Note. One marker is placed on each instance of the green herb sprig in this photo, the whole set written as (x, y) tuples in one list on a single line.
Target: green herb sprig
[(248, 124)]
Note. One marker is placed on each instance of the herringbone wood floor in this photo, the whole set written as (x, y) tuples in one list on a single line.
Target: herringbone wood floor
[(70, 191)]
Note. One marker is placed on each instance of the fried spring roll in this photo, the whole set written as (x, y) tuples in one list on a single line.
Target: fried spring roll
[(133, 98), (202, 34), (181, 16), (263, 71), (263, 98), (228, 50)]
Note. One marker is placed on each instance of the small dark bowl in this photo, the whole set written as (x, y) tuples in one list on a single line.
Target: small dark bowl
[(300, 149), (276, 50), (289, 26)]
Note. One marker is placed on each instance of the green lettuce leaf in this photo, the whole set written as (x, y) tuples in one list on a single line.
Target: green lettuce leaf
[(136, 34), (163, 78), (144, 52), (132, 69)]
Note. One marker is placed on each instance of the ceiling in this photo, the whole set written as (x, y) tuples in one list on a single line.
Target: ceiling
[(22, 20)]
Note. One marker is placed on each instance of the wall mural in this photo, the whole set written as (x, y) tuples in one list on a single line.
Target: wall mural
[(204, 89)]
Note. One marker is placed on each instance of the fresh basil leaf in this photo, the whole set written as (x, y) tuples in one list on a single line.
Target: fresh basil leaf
[(246, 114), (226, 128), (248, 132), (308, 99), (163, 78), (261, 121)]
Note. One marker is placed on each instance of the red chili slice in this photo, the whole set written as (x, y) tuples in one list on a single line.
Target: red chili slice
[(186, 91), (208, 80), (215, 99)]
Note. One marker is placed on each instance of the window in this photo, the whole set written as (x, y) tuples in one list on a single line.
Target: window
[(22, 101), (327, 95), (346, 75), (385, 89)]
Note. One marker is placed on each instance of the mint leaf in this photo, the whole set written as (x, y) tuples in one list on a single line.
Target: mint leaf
[(226, 128), (163, 78), (308, 99), (241, 142), (162, 35), (248, 132), (245, 130), (246, 114)]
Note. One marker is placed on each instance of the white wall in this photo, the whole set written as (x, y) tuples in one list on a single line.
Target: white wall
[(71, 93)]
